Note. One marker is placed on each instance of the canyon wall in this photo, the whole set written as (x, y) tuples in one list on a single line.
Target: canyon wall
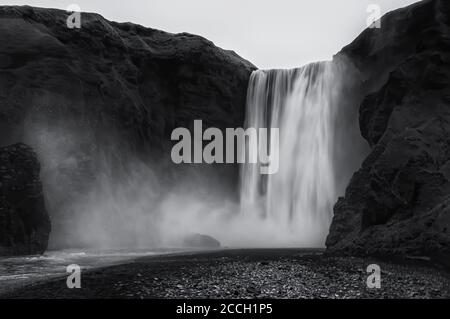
[(398, 202)]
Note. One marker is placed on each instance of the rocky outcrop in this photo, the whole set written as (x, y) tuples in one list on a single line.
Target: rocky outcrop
[(24, 222), (398, 203)]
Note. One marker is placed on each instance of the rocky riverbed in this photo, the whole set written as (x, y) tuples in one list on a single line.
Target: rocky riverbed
[(256, 273)]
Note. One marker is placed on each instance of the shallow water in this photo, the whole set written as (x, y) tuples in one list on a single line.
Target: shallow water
[(21, 271)]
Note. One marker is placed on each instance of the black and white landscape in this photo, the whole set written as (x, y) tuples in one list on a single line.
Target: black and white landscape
[(87, 175)]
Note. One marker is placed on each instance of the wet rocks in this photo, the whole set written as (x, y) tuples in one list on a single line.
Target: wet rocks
[(209, 275), (24, 222)]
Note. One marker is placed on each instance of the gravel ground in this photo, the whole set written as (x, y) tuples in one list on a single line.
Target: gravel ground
[(255, 273)]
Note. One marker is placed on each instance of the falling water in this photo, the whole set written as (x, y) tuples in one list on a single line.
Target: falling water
[(298, 199)]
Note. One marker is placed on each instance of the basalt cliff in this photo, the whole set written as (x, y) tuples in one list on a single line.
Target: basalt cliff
[(398, 203)]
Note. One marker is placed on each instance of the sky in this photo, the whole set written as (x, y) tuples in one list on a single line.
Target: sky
[(270, 34)]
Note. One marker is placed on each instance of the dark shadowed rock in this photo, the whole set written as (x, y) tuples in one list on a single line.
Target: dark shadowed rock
[(398, 203), (24, 222), (93, 101), (200, 241), (121, 77)]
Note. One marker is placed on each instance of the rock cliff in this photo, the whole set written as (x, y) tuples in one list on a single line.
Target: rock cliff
[(398, 202), (99, 104)]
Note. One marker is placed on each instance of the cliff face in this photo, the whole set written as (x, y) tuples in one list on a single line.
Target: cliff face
[(137, 81), (99, 104), (24, 222), (398, 202)]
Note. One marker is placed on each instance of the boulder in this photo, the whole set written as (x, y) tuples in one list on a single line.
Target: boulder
[(200, 241)]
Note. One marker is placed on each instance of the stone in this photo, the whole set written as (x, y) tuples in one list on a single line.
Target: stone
[(201, 241), (24, 221)]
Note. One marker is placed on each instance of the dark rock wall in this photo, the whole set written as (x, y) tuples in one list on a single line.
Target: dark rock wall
[(94, 101), (24, 222), (137, 81), (398, 202), (113, 81)]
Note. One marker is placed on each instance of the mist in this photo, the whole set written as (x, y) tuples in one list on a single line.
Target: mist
[(102, 194), (105, 199)]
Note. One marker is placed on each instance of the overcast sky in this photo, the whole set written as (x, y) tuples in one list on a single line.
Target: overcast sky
[(269, 33)]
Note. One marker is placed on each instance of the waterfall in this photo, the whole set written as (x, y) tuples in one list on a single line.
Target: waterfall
[(298, 199)]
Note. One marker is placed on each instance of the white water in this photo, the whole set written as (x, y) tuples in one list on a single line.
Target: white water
[(297, 201)]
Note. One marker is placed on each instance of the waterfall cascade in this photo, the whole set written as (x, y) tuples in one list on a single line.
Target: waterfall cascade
[(299, 198)]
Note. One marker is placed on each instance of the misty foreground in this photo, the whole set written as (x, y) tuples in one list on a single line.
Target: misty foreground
[(245, 273)]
